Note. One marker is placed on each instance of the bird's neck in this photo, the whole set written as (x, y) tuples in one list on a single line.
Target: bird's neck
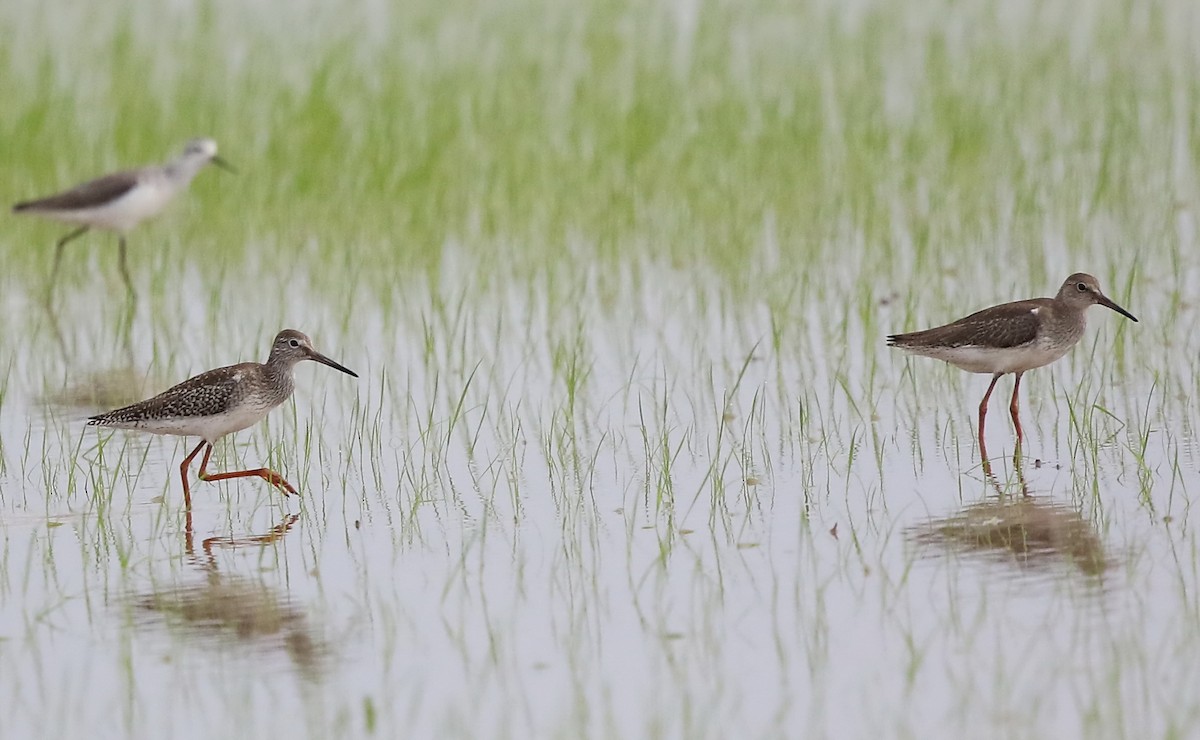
[(182, 170), (1071, 325), (280, 375)]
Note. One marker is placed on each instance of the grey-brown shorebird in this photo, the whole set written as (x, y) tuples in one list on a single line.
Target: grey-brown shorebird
[(220, 402), (122, 200), (1012, 338)]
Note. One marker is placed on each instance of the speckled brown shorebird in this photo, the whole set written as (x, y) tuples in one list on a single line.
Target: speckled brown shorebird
[(220, 402), (1012, 338), (121, 200)]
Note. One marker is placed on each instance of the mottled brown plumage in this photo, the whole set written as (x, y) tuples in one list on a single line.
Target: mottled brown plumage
[(207, 404), (222, 401)]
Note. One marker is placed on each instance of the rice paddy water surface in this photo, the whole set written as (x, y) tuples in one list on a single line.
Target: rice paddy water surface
[(628, 456)]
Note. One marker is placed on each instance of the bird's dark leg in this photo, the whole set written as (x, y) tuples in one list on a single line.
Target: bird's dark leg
[(124, 264), (58, 253), (270, 476), (987, 465), (126, 327), (1014, 408), (55, 327), (183, 473)]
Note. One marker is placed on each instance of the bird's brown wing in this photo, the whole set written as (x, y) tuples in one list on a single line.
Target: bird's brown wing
[(88, 195), (1007, 325), (206, 394)]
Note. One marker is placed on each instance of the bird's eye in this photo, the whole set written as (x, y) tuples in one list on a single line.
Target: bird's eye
[(294, 342), (1082, 287)]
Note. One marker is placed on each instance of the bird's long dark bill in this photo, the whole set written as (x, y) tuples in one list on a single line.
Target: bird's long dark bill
[(317, 356), (223, 164), (1106, 301)]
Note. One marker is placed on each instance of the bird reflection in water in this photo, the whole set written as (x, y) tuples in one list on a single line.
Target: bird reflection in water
[(1029, 531), (232, 609)]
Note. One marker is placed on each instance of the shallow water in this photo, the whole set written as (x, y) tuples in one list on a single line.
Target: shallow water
[(685, 544)]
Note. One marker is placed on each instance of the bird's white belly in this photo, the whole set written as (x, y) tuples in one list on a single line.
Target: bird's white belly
[(210, 428), (143, 201), (976, 359)]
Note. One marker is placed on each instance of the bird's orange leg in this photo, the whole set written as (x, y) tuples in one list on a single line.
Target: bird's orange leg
[(189, 541), (987, 464), (1014, 408), (183, 473), (270, 476)]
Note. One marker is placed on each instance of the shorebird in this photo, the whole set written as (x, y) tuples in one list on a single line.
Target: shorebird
[(220, 402), (120, 201), (1012, 338)]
